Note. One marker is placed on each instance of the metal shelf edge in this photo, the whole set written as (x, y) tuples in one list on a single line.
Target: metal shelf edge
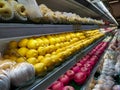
[(17, 30)]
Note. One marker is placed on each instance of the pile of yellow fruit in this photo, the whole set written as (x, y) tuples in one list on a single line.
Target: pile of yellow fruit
[(46, 52)]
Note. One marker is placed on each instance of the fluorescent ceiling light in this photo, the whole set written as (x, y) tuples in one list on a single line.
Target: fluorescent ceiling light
[(115, 1)]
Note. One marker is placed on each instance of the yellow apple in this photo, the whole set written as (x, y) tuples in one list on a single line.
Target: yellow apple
[(40, 41), (52, 41), (32, 53), (23, 42), (20, 59), (32, 44), (40, 58), (32, 60), (40, 69), (56, 59), (12, 44), (48, 63), (22, 51), (41, 50), (46, 41)]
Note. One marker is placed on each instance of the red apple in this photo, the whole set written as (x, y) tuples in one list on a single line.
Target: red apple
[(76, 69), (94, 58), (53, 84), (87, 65), (57, 86), (87, 57), (79, 64), (80, 78), (85, 70), (70, 74), (82, 61), (98, 53), (68, 88), (64, 79), (92, 63)]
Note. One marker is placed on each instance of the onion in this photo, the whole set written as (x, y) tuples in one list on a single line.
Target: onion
[(4, 80), (21, 73), (6, 64)]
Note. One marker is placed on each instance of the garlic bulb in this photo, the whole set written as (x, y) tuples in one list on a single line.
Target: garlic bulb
[(4, 80), (21, 73)]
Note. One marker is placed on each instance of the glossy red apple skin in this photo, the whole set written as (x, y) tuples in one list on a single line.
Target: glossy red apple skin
[(64, 79), (92, 63), (87, 57), (53, 84), (79, 64), (76, 69), (82, 61), (57, 86), (85, 70), (87, 65), (68, 88), (80, 78), (70, 74), (94, 58)]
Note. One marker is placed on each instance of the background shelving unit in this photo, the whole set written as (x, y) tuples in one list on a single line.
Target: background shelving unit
[(15, 31)]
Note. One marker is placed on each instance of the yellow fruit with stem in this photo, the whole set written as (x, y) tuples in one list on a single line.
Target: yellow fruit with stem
[(12, 44), (57, 46), (40, 58), (41, 51), (57, 40), (32, 44), (23, 42), (48, 62), (48, 55), (32, 60), (21, 59), (40, 69), (56, 59), (52, 41), (40, 41), (22, 51), (46, 41), (32, 53)]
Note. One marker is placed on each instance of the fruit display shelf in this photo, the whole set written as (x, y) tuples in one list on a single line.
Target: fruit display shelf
[(43, 82), (43, 29)]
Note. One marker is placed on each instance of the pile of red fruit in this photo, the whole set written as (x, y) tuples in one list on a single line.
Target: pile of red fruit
[(81, 70)]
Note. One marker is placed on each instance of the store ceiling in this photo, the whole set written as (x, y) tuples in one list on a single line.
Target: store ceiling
[(114, 8)]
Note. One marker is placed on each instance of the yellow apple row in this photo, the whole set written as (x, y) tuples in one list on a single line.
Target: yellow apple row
[(47, 57)]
